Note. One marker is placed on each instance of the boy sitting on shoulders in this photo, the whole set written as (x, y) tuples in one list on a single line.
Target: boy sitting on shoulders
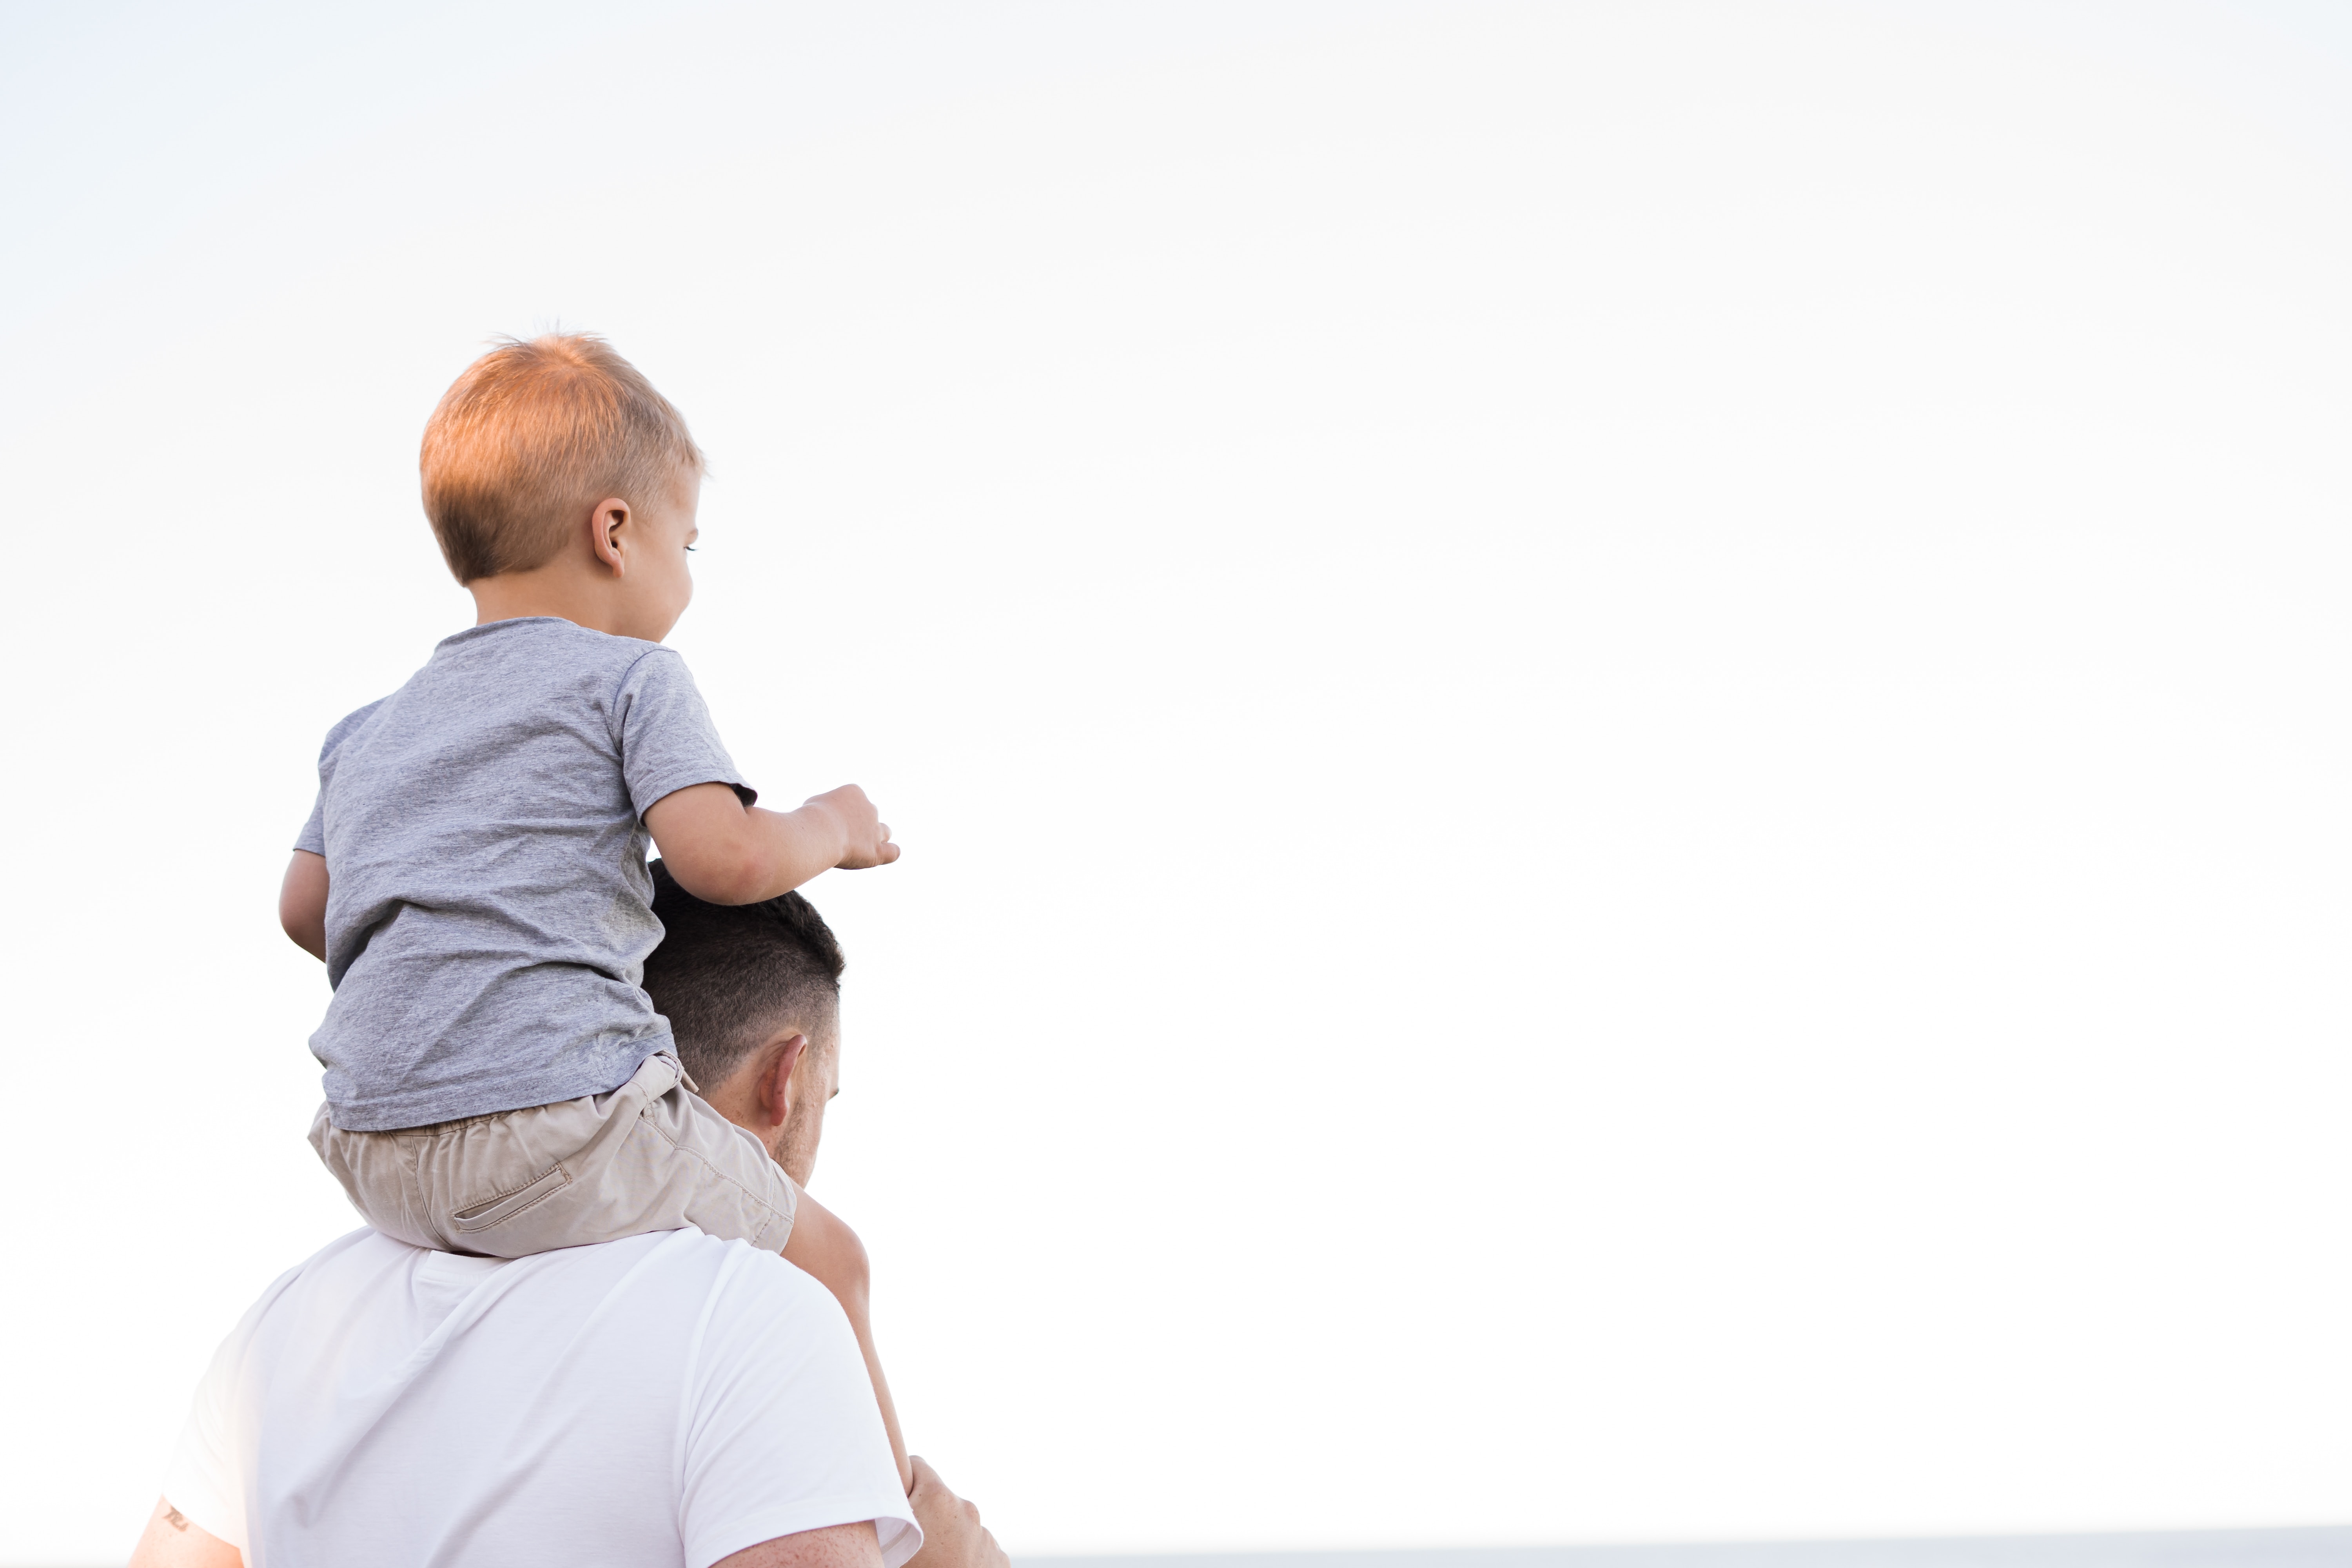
[(474, 873)]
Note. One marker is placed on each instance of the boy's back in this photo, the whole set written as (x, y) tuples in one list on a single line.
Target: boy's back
[(491, 911)]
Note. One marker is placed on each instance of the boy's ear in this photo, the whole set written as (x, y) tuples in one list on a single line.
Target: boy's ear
[(606, 523)]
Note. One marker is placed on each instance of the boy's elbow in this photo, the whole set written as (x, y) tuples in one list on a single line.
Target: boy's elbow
[(308, 934), (302, 903), (718, 880)]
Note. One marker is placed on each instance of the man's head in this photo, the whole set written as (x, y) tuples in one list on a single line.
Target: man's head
[(557, 453), (753, 994)]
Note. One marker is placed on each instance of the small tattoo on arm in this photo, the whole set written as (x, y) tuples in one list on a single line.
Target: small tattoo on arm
[(174, 1517)]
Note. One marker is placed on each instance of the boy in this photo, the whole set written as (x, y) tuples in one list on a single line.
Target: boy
[(474, 872)]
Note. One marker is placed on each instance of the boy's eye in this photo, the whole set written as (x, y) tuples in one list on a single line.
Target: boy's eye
[(689, 549)]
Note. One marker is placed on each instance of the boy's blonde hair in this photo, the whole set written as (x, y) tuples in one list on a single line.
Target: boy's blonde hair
[(531, 436)]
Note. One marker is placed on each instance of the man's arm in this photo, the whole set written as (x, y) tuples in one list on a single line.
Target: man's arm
[(724, 852), (172, 1540), (302, 902), (834, 1546), (953, 1538)]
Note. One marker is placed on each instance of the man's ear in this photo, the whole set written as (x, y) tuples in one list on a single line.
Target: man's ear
[(776, 1083), (605, 525)]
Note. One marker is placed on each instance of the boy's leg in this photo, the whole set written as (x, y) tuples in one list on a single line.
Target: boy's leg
[(830, 1253), (573, 1173), (376, 1173)]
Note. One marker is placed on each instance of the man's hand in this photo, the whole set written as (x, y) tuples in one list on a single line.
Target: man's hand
[(865, 837), (953, 1536)]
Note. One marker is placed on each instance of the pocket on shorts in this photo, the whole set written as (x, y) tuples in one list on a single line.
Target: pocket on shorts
[(483, 1215)]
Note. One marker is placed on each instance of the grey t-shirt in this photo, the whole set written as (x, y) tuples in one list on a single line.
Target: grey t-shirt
[(488, 910)]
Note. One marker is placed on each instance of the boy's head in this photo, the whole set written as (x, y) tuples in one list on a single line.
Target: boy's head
[(533, 436)]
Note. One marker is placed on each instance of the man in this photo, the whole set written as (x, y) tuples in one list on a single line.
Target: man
[(663, 1399)]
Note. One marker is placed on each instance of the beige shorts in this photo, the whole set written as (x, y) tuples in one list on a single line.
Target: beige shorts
[(651, 1156)]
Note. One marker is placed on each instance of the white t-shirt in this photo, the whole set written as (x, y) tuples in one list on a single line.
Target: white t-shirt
[(668, 1399)]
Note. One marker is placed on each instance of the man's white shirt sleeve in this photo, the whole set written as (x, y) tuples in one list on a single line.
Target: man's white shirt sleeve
[(738, 1440), (204, 1479), (201, 1478)]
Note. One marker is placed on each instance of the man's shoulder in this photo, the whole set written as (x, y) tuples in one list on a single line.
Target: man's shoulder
[(738, 1279), (288, 1296), (731, 1309), (684, 1262), (767, 1276)]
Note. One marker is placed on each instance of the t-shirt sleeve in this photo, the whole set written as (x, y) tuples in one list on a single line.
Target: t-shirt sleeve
[(313, 836), (665, 733), (203, 1480), (781, 1431)]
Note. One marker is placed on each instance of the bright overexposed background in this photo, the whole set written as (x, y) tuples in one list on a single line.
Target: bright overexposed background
[(1622, 729)]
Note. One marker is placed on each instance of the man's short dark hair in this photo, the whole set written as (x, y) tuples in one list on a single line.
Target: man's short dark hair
[(727, 975)]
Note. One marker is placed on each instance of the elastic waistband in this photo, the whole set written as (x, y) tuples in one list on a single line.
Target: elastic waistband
[(662, 1064)]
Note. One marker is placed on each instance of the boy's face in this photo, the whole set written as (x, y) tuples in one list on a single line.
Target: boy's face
[(657, 582)]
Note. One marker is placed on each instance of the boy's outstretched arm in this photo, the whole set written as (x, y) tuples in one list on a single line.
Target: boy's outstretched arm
[(302, 902), (829, 1252), (724, 852)]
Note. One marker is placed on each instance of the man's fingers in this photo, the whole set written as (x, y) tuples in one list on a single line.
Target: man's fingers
[(888, 853)]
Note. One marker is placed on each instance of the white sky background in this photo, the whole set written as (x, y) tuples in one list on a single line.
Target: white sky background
[(1621, 729)]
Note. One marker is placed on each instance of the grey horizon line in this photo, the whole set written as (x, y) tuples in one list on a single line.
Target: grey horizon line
[(2272, 1546)]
